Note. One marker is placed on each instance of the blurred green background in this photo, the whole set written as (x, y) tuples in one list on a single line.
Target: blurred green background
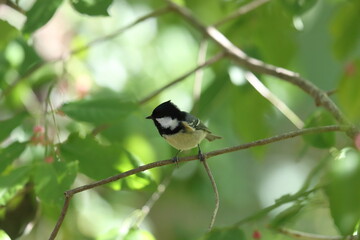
[(70, 83)]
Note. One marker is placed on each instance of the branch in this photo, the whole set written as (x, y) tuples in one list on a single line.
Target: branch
[(216, 192), (121, 30), (179, 79), (69, 194), (253, 64), (311, 236), (273, 99), (241, 11)]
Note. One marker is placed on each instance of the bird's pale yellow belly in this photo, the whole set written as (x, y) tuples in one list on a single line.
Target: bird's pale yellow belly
[(185, 141)]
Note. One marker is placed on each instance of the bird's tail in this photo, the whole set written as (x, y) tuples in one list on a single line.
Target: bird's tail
[(210, 137)]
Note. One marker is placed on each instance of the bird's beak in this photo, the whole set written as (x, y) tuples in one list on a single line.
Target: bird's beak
[(149, 117)]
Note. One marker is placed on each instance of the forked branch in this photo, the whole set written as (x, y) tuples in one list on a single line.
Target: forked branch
[(70, 193)]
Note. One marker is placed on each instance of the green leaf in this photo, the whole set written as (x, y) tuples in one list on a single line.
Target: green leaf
[(225, 234), (320, 118), (99, 110), (8, 32), (12, 182), (92, 7), (4, 236), (138, 234), (348, 91), (343, 191), (52, 180), (8, 125), (248, 113), (286, 216), (10, 153), (39, 14), (19, 211), (95, 160), (141, 179), (345, 29)]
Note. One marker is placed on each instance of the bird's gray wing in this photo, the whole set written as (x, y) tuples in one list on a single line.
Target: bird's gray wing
[(194, 123)]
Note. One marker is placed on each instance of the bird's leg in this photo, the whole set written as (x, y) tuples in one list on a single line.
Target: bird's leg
[(200, 154), (176, 159)]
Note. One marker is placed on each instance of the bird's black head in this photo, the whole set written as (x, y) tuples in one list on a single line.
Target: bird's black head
[(166, 109), (167, 118)]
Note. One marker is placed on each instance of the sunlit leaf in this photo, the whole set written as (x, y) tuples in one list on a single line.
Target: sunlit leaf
[(12, 182), (23, 204), (8, 125), (343, 190), (52, 180), (140, 180), (225, 234), (4, 236), (320, 118), (92, 7), (10, 153), (39, 14), (99, 110), (138, 234)]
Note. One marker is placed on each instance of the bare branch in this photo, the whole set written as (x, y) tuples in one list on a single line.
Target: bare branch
[(179, 79), (61, 218), (253, 64), (121, 30), (274, 100), (241, 11), (311, 236), (261, 142), (216, 192)]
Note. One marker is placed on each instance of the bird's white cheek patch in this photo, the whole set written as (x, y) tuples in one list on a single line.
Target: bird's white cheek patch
[(168, 122)]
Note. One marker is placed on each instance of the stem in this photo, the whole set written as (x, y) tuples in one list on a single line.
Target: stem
[(216, 192)]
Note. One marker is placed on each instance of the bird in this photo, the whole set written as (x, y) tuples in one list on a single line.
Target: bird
[(180, 129)]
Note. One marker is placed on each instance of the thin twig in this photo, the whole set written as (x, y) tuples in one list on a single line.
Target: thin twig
[(253, 64), (216, 192), (121, 30), (61, 217), (277, 204), (200, 73), (311, 236), (241, 11), (154, 197), (302, 192), (212, 60), (273, 99), (70, 193)]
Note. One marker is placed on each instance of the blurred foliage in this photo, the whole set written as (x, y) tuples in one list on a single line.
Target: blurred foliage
[(320, 117), (70, 84), (343, 193)]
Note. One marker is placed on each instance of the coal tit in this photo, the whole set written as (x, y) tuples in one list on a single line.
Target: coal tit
[(180, 129)]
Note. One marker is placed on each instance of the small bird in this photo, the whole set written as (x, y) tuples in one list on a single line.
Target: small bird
[(180, 129)]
